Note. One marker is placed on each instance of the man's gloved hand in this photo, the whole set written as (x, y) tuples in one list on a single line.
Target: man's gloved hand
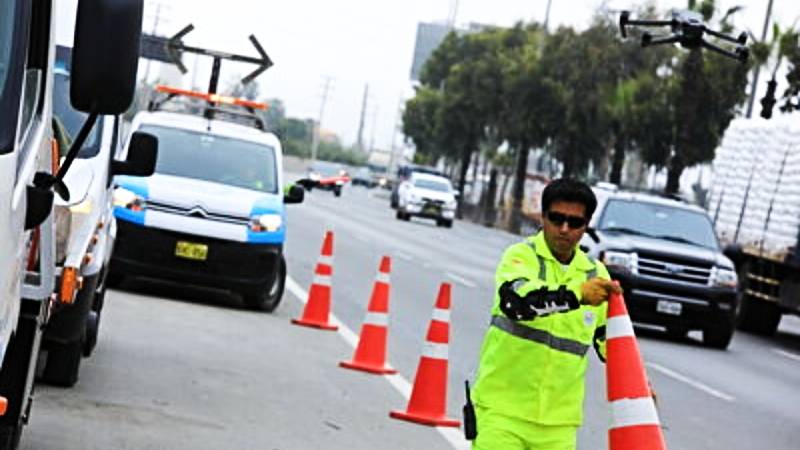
[(596, 291), (539, 303)]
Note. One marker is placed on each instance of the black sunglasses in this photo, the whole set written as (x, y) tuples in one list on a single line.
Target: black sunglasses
[(558, 219)]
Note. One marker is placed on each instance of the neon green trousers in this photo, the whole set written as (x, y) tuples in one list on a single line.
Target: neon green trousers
[(496, 432)]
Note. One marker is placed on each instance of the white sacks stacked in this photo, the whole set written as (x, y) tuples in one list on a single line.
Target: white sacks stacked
[(755, 192)]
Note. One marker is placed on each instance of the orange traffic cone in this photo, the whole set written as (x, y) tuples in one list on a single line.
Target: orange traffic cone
[(428, 401), (370, 355), (318, 305), (635, 424)]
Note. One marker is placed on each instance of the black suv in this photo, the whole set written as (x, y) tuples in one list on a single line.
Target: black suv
[(666, 256)]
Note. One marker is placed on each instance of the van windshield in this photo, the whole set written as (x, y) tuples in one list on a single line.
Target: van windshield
[(202, 156)]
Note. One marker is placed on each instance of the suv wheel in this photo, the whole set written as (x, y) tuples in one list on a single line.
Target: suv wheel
[(267, 298), (718, 336)]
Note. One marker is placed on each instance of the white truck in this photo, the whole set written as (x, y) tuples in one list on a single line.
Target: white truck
[(104, 64), (755, 205)]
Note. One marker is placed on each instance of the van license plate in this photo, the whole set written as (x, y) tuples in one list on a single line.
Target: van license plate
[(190, 250), (667, 307)]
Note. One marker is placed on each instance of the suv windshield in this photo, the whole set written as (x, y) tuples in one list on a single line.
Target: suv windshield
[(73, 119), (661, 221), (434, 185), (202, 156)]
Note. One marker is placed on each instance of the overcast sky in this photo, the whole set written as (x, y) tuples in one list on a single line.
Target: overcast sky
[(365, 41)]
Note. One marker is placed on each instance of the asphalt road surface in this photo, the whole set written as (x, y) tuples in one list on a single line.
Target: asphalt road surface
[(181, 368)]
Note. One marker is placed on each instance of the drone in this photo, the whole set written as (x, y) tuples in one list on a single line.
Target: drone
[(688, 30)]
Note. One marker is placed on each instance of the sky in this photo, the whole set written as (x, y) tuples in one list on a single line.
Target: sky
[(359, 42)]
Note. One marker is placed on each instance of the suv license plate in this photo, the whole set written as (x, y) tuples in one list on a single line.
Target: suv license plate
[(667, 307), (190, 250)]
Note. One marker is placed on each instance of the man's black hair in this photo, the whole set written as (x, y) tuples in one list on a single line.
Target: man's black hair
[(569, 190)]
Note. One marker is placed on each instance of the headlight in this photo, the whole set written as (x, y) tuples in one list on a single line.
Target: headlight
[(619, 260), (266, 222), (723, 278), (125, 198), (451, 204)]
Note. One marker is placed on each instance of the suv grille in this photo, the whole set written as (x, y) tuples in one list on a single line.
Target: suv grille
[(673, 269)]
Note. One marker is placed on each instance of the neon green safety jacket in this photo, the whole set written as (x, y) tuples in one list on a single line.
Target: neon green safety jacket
[(534, 370)]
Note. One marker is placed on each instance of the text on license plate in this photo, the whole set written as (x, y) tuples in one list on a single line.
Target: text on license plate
[(667, 307), (190, 250)]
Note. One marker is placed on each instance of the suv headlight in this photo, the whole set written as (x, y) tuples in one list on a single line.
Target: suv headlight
[(622, 261), (125, 198), (723, 278), (266, 223), (451, 204)]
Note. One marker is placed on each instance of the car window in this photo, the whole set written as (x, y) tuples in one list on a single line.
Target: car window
[(71, 118), (219, 159), (328, 170), (661, 221), (434, 185)]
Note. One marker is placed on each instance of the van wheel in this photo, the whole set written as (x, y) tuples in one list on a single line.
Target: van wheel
[(267, 298), (63, 364)]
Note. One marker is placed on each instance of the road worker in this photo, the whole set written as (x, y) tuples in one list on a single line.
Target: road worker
[(549, 310)]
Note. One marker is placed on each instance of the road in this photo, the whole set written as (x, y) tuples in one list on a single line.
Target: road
[(179, 368)]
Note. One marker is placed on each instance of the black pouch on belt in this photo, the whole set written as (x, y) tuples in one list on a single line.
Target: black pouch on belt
[(470, 424)]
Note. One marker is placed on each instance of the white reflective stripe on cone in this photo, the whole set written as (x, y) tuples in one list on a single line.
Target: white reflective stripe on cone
[(322, 280), (325, 259), (382, 277), (628, 412), (619, 326), (376, 318), (435, 351), (442, 315)]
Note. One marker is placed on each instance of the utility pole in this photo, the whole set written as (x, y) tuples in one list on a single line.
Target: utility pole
[(547, 17), (756, 73), (374, 126), (360, 140), (451, 20), (392, 148), (318, 125)]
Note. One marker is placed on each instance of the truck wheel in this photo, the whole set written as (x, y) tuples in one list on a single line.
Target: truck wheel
[(10, 436), (718, 336), (267, 298), (755, 315), (63, 364)]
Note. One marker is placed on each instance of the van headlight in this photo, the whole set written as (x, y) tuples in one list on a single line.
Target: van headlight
[(628, 262), (125, 198), (266, 223), (726, 278)]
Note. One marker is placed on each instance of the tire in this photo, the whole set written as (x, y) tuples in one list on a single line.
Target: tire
[(754, 315), (399, 215), (447, 223), (92, 332), (394, 202), (267, 298), (718, 336), (337, 192), (10, 436), (63, 364)]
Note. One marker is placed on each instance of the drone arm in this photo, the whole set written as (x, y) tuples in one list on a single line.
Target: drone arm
[(722, 51), (742, 39)]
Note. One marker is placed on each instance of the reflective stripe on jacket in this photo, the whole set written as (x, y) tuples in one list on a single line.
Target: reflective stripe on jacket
[(534, 370)]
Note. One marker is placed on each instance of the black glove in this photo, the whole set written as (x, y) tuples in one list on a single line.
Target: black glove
[(539, 303)]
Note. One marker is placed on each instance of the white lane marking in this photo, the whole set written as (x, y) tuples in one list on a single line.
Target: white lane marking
[(404, 256), (693, 383), (789, 355), (452, 435), (461, 280)]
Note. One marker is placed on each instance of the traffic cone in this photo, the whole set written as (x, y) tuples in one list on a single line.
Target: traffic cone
[(635, 424), (318, 305), (370, 355), (428, 403)]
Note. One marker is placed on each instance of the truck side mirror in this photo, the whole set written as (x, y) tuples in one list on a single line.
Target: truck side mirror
[(105, 56), (296, 194), (142, 155)]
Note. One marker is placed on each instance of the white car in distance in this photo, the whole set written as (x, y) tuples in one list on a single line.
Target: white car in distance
[(427, 196)]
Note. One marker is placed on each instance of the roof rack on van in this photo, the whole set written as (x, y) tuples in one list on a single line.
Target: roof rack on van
[(221, 104)]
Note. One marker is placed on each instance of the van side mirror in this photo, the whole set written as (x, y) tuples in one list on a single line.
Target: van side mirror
[(142, 156), (295, 194), (105, 56)]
